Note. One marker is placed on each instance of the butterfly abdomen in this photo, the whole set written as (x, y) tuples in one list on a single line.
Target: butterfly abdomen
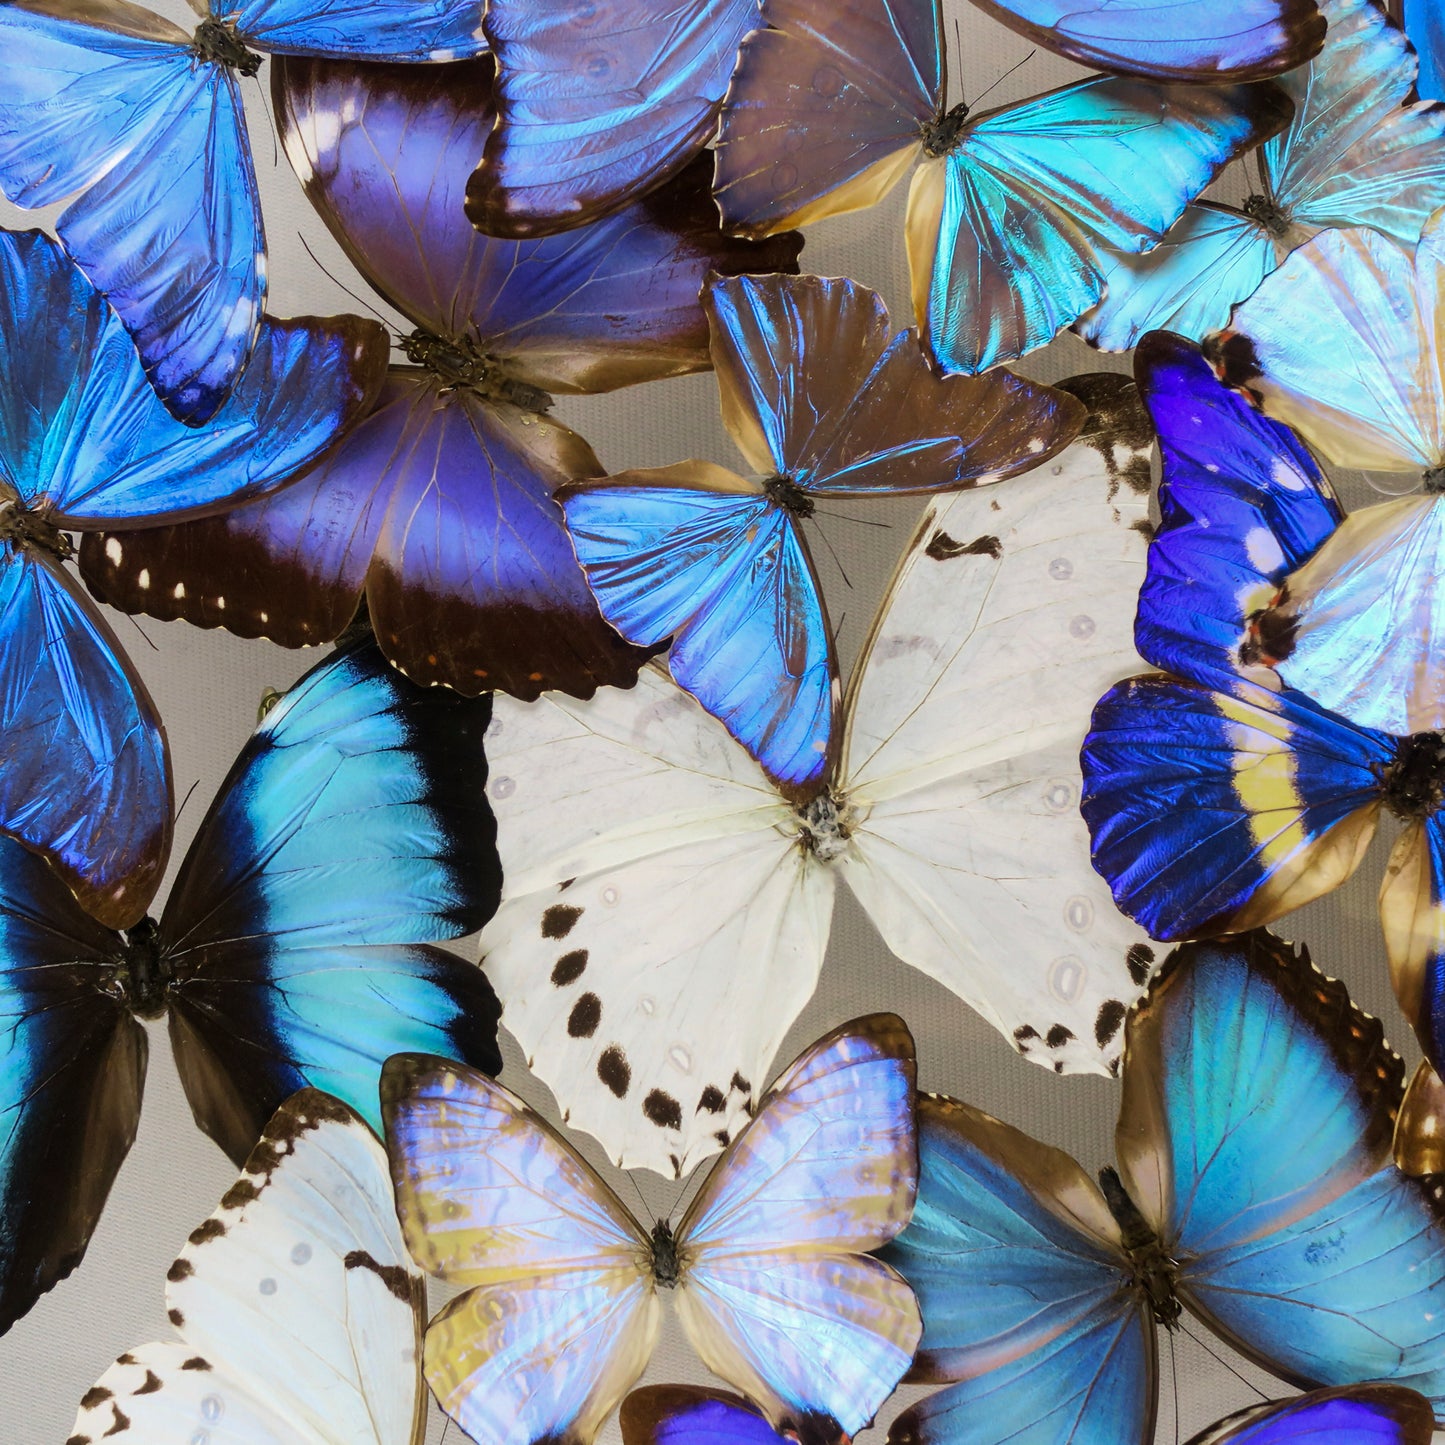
[(1154, 1270)]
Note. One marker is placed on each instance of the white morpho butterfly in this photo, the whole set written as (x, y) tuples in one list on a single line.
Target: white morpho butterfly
[(666, 910), (299, 1311)]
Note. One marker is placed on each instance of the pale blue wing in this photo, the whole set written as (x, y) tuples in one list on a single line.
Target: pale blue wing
[(83, 437), (84, 773), (1340, 344), (1356, 154), (1425, 25), (1255, 1135), (779, 1295), (165, 219), (1171, 39), (362, 29), (353, 830), (1209, 260), (1029, 193), (1032, 1316), (726, 574), (1348, 1415)]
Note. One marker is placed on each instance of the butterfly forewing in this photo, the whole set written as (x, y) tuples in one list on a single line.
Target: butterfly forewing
[(692, 1415), (1255, 1135), (633, 88), (299, 1310), (1021, 1275), (778, 1294), (1370, 1414), (560, 1314)]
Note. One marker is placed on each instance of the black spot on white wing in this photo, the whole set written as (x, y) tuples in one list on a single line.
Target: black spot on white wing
[(195, 1363), (586, 1014), (713, 1100), (559, 920), (176, 1318), (1140, 962), (662, 1109), (943, 548), (393, 1276), (180, 1269), (614, 1070), (151, 1386), (206, 1231), (740, 1085), (1108, 1020), (120, 1423), (569, 968), (1058, 1036), (96, 1395)]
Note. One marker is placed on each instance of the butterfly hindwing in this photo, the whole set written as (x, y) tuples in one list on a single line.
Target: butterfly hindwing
[(560, 1315), (634, 88), (691, 1415), (1347, 1415), (824, 1342), (299, 1310)]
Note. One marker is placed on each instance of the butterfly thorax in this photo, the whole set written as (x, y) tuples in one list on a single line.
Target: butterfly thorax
[(458, 362), (1433, 482), (217, 42), (942, 135), (1265, 211), (784, 492), (25, 529), (825, 826), (1154, 1271), (666, 1262), (144, 975), (1413, 783)]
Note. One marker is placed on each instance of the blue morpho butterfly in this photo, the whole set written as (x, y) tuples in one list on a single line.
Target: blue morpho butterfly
[(1355, 155), (1254, 1189), (297, 948), (1349, 1415), (439, 507), (1217, 799), (1008, 211), (1424, 22), (598, 104), (823, 403), (85, 445), (142, 125), (1342, 344)]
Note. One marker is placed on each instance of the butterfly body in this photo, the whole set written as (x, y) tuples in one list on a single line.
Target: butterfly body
[(217, 43), (1154, 1270)]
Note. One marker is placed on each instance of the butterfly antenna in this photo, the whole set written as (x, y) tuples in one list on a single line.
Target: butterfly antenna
[(143, 633), (445, 1428), (857, 521), (958, 43), (360, 300), (646, 1215), (1220, 1359), (186, 800), (1003, 78), (266, 106), (837, 561)]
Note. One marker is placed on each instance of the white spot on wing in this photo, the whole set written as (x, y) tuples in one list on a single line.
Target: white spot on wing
[(113, 551), (1263, 550)]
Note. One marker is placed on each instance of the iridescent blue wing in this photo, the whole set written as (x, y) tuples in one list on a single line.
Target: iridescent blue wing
[(1214, 811), (1425, 25), (1210, 258), (599, 105), (85, 777), (781, 1298), (1357, 152), (689, 1415), (1242, 504), (116, 111), (83, 439), (1021, 1275), (352, 834), (376, 30), (1255, 1135), (1005, 226), (699, 555), (1171, 39), (72, 1067), (1347, 1415)]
